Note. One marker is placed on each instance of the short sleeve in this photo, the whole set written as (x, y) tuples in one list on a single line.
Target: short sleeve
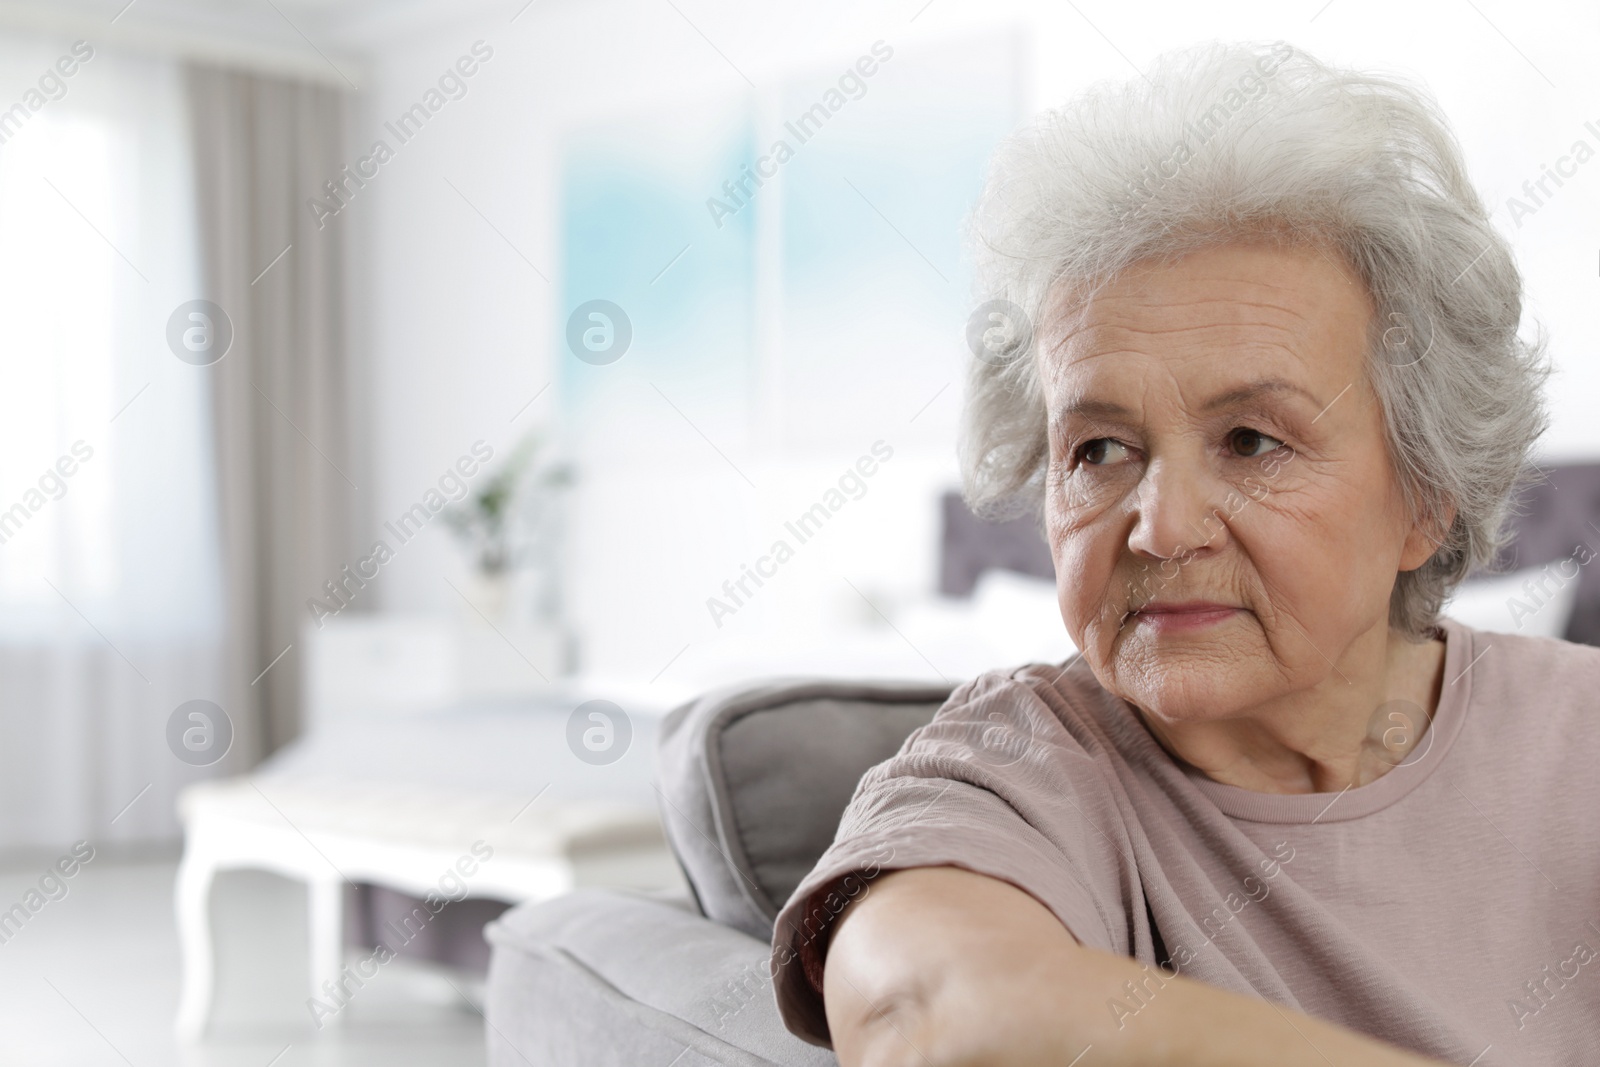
[(995, 784)]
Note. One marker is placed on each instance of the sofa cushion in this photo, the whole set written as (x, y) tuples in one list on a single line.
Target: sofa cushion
[(607, 978), (755, 778)]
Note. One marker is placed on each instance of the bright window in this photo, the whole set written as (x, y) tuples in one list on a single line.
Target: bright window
[(107, 509)]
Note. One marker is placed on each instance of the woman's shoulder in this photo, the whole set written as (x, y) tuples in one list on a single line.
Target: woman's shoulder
[(1509, 676), (1525, 660), (1068, 686), (1009, 709)]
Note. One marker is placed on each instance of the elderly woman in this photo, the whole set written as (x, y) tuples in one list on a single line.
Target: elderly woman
[(1277, 810)]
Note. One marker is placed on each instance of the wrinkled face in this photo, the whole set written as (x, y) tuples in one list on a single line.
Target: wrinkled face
[(1224, 518)]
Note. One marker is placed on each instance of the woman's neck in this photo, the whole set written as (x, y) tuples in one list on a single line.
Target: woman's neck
[(1334, 736)]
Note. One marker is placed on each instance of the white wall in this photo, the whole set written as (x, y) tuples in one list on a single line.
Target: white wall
[(455, 327)]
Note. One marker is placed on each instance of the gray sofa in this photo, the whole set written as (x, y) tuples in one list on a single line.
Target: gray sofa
[(753, 781)]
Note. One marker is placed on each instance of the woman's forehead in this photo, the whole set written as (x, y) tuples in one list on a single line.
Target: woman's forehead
[(1257, 311)]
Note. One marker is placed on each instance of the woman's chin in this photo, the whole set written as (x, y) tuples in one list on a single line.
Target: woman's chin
[(1179, 707), (1184, 684)]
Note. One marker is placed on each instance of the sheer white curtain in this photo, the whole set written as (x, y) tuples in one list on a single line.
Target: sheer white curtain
[(110, 603)]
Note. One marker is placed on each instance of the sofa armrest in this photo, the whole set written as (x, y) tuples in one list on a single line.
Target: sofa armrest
[(612, 978)]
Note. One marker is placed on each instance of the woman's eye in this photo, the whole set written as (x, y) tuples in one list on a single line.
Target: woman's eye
[(1246, 442), (1102, 451)]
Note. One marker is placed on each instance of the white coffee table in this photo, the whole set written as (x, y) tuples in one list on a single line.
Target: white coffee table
[(326, 831)]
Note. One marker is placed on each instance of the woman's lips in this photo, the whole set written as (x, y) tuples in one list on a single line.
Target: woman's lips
[(1177, 617)]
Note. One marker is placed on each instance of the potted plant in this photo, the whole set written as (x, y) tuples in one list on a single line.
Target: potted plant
[(508, 524)]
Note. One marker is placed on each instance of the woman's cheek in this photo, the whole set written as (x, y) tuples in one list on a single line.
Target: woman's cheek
[(1084, 582), (1090, 490), (1087, 539), (1088, 498)]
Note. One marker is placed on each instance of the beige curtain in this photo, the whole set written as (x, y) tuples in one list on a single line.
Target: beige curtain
[(285, 469)]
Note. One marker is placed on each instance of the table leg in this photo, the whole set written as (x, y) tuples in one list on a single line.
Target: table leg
[(192, 900), (326, 900)]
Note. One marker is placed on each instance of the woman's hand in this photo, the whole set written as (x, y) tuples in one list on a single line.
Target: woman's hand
[(941, 967)]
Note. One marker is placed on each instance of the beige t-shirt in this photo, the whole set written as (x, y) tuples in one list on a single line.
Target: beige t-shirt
[(1452, 906)]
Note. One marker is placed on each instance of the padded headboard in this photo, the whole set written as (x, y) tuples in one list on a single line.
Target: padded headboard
[(968, 546), (1558, 512)]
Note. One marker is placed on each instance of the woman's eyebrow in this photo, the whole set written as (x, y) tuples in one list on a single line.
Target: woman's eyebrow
[(1255, 391), (1089, 408), (1094, 412), (1092, 409)]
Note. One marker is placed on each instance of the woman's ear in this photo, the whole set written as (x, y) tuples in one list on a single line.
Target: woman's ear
[(1426, 535)]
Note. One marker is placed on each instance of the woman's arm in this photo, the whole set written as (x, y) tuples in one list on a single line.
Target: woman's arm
[(940, 967)]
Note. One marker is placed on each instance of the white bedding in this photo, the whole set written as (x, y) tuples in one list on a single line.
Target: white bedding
[(512, 746)]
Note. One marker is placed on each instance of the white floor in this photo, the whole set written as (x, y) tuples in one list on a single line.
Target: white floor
[(92, 979)]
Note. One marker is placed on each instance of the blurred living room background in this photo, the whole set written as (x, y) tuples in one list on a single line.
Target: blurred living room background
[(405, 404)]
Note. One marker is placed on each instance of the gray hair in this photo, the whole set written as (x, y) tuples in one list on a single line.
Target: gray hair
[(1221, 142)]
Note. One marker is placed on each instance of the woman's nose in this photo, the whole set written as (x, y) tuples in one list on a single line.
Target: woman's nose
[(1176, 513)]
